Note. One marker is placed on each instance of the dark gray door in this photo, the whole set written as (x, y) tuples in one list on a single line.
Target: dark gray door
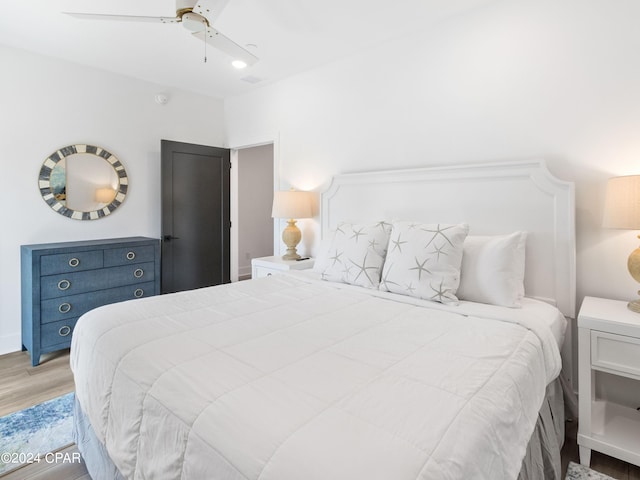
[(195, 216)]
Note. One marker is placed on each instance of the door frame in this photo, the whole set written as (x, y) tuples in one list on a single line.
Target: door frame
[(256, 141)]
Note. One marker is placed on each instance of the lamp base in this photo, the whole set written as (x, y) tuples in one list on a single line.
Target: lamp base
[(634, 305), (633, 264), (291, 236), (291, 256)]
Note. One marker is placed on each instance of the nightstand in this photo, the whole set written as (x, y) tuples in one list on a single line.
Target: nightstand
[(267, 266), (609, 346)]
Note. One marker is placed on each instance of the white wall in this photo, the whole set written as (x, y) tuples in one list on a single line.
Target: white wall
[(514, 80), (47, 104), (255, 197)]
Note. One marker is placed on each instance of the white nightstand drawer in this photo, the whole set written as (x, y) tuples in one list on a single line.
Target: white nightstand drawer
[(267, 266), (259, 272), (616, 353)]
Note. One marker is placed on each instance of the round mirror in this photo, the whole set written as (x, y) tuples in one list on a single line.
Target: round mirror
[(83, 182)]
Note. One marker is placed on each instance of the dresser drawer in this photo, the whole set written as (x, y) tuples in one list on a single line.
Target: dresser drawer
[(54, 286), (129, 274), (61, 308), (62, 281), (617, 353), (57, 333), (128, 255), (70, 262)]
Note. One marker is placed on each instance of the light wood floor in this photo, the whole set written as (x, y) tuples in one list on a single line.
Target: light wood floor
[(600, 462), (22, 386)]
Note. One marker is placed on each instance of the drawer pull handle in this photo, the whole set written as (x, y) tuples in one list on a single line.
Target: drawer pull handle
[(64, 307), (269, 274), (138, 293), (138, 273), (131, 255), (74, 262), (64, 284), (64, 331)]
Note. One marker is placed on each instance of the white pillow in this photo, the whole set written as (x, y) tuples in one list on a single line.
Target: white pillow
[(424, 260), (493, 269), (356, 254)]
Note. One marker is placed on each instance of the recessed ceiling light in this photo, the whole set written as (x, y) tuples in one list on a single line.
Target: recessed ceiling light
[(239, 64)]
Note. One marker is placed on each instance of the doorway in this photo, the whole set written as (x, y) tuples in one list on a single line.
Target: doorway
[(255, 197), (195, 216)]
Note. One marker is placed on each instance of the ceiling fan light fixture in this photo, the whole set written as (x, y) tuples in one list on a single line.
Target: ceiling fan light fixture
[(193, 22), (197, 22), (239, 64)]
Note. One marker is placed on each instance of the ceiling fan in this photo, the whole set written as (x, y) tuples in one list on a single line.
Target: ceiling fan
[(196, 16)]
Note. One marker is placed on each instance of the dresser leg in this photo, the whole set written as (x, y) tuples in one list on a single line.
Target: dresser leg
[(35, 359), (585, 456)]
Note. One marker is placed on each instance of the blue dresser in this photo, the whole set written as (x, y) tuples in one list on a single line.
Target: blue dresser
[(61, 281)]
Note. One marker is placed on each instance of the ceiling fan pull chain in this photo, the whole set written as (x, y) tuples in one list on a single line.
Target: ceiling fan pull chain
[(205, 45)]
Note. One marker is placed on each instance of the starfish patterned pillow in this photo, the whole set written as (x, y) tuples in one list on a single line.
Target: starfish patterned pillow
[(424, 260), (357, 253)]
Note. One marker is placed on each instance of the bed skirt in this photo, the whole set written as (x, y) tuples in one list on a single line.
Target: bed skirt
[(94, 453), (541, 461)]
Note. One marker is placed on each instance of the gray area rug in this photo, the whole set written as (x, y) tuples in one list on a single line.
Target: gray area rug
[(28, 435), (575, 471)]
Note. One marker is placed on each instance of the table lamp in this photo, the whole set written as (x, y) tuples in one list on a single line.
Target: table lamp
[(622, 210), (291, 205), (105, 195)]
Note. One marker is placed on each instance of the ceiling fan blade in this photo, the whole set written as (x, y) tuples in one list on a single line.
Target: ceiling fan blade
[(210, 9), (228, 46), (123, 18)]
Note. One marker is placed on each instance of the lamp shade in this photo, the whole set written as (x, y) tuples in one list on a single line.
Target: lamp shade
[(622, 204), (291, 204)]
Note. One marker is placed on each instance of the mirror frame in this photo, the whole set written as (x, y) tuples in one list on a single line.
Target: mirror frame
[(44, 181)]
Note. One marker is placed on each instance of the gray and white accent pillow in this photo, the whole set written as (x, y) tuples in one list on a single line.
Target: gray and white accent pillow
[(357, 253), (424, 260)]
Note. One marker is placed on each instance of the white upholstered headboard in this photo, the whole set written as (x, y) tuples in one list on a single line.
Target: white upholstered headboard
[(492, 198)]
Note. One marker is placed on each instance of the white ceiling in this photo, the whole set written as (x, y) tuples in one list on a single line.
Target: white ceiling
[(290, 36)]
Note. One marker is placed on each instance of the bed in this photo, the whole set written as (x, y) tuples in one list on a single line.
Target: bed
[(316, 375)]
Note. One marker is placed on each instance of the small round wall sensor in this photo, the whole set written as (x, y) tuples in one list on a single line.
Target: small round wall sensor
[(161, 99)]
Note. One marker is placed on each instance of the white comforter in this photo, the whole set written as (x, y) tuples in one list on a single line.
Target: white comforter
[(284, 378)]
